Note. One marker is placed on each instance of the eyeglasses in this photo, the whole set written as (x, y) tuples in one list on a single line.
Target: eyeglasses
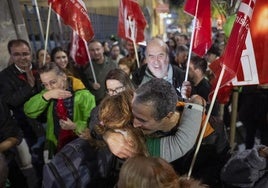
[(23, 54), (115, 91)]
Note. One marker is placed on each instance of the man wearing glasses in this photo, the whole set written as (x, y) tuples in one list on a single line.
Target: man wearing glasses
[(18, 82)]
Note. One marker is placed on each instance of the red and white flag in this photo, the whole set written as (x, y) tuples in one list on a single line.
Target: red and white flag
[(202, 39), (131, 23), (79, 50), (233, 50), (74, 14), (254, 59)]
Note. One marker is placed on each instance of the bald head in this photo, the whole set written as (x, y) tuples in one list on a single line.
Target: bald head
[(157, 57), (157, 42)]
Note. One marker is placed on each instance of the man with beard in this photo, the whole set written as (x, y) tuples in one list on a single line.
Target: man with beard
[(158, 66), (101, 66)]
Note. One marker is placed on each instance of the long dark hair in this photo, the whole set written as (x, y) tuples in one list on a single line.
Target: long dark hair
[(121, 76)]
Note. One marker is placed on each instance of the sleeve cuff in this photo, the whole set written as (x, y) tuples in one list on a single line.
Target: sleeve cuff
[(44, 98)]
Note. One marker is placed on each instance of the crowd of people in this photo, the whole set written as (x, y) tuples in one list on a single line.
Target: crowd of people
[(140, 108)]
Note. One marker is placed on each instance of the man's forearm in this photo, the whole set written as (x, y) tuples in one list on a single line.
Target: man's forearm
[(175, 146), (8, 143)]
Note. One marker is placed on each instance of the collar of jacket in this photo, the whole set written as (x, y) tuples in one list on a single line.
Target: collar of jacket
[(77, 84)]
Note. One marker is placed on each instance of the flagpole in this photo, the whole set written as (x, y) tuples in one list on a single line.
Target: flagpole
[(90, 63), (191, 42), (206, 121), (34, 3), (136, 53), (47, 30), (190, 50), (132, 35)]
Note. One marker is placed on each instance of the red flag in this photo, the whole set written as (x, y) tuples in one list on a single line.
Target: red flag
[(78, 50), (254, 66), (131, 23), (202, 39), (74, 14), (233, 50)]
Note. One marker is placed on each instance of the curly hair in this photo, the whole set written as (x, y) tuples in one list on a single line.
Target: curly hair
[(115, 111), (115, 115)]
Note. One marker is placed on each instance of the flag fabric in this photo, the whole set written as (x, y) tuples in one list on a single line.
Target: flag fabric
[(255, 57), (78, 50), (202, 38), (74, 14), (131, 21), (225, 90), (233, 50)]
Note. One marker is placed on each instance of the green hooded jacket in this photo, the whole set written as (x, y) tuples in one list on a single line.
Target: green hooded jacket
[(84, 102)]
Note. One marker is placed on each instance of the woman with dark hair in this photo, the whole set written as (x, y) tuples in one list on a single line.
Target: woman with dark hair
[(61, 58), (116, 81), (40, 55)]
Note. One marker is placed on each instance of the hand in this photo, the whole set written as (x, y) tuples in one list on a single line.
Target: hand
[(263, 152), (67, 125), (119, 145), (85, 134), (57, 94), (197, 99), (96, 86), (186, 89)]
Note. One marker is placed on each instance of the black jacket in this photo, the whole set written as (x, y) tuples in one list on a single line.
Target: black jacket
[(8, 125), (14, 89), (8, 128)]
